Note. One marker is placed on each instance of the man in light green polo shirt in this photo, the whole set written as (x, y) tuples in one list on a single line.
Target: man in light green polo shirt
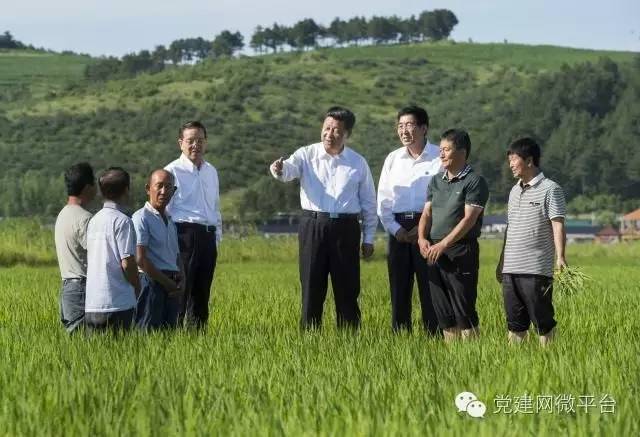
[(448, 234)]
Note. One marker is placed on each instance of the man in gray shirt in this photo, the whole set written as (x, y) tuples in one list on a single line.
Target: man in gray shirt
[(71, 243), (535, 234), (112, 273)]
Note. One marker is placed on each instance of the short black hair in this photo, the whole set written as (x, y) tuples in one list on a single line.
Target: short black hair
[(77, 177), (526, 147), (420, 114), (344, 115), (114, 182), (194, 124), (459, 138)]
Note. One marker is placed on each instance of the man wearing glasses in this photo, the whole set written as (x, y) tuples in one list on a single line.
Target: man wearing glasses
[(195, 208), (402, 193)]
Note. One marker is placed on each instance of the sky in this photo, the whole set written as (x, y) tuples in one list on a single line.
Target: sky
[(117, 27)]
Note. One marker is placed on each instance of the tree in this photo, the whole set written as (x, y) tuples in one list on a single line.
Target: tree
[(437, 24), (381, 30), (304, 34), (257, 40), (338, 31), (227, 43), (7, 41)]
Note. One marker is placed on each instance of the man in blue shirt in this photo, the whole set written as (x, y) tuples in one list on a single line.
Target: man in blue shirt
[(158, 256)]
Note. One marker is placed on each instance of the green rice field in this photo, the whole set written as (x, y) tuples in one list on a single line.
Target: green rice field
[(255, 373)]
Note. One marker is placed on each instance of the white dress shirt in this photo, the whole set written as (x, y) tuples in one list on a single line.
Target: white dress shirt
[(334, 184), (197, 199), (403, 183)]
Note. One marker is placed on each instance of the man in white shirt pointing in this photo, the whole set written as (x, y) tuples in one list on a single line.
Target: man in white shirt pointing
[(336, 186), (402, 193), (195, 208)]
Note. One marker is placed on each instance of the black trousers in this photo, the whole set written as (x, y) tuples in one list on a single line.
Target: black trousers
[(199, 254), (329, 247), (453, 281), (403, 262)]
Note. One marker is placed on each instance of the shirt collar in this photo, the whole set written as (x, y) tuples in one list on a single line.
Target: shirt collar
[(187, 163), (535, 181), (423, 155), (461, 174), (154, 211), (113, 205), (322, 153)]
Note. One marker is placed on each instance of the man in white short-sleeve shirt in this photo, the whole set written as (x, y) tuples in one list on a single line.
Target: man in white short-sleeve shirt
[(112, 273)]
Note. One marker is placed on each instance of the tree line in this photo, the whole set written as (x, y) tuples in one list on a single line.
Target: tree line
[(303, 35)]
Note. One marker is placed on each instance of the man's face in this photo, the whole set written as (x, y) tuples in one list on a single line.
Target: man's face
[(160, 189), (409, 132), (193, 144), (333, 133), (518, 165), (449, 156)]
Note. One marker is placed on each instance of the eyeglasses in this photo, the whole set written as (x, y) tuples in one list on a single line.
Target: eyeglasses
[(406, 126), (194, 141)]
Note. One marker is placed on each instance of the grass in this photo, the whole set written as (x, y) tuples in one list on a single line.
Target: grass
[(40, 73), (255, 373)]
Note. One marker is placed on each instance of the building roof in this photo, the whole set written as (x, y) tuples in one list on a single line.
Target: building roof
[(634, 215), (582, 230), (608, 231)]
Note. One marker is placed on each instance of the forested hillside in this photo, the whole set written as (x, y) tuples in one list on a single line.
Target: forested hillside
[(583, 105)]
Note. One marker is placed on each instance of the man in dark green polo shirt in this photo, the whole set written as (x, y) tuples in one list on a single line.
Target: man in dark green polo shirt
[(448, 236)]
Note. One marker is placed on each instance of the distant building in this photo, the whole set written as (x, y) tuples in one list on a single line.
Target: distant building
[(281, 224), (494, 223), (581, 234), (630, 225), (608, 235)]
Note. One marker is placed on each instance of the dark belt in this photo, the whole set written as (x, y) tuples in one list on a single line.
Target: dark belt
[(332, 215), (196, 226), (173, 275), (81, 280), (407, 215)]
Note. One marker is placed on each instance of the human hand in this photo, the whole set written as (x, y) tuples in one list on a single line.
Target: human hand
[(434, 252), (367, 250), (277, 166), (402, 236), (424, 245), (412, 235), (561, 263)]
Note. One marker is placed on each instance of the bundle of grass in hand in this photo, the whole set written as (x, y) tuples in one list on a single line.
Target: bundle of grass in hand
[(569, 281)]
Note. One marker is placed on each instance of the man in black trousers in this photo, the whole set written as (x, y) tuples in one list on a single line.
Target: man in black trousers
[(195, 208), (336, 186), (402, 193)]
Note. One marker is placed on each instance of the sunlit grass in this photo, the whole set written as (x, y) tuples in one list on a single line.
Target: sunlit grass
[(255, 373)]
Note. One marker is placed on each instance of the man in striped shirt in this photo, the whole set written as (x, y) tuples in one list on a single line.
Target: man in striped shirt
[(536, 230)]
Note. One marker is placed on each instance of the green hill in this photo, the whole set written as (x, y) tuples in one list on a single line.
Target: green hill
[(582, 104)]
